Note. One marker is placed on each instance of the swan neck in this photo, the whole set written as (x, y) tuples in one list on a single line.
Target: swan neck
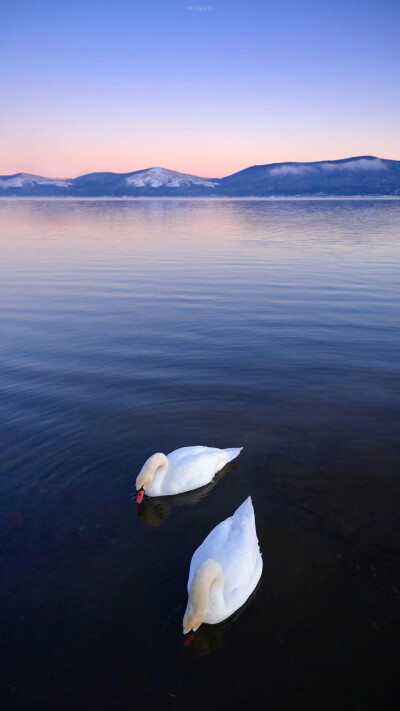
[(207, 575), (156, 464)]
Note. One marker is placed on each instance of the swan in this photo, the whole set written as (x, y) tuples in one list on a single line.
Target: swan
[(224, 570), (182, 470)]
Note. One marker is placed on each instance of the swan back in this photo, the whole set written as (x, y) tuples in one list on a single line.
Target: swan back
[(194, 467)]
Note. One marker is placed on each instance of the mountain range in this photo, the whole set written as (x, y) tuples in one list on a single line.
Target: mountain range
[(361, 175)]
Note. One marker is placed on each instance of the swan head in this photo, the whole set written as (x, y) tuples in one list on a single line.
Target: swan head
[(146, 474), (193, 618)]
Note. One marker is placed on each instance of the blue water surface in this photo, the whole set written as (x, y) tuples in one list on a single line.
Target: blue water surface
[(135, 326)]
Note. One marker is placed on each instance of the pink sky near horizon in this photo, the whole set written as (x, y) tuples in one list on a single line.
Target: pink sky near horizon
[(207, 159), (69, 145)]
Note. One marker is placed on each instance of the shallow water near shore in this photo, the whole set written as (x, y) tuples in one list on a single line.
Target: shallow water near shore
[(129, 327)]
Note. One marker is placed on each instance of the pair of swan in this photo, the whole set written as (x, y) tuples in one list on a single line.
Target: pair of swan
[(225, 569)]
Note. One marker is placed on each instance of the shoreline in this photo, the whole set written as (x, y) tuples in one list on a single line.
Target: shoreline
[(271, 198)]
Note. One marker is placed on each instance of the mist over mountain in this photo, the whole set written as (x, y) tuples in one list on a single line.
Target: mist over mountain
[(361, 175)]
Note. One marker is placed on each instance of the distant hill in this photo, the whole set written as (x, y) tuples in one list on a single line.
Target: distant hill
[(361, 175)]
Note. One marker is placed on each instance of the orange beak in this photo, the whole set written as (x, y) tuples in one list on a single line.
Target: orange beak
[(188, 639), (140, 495)]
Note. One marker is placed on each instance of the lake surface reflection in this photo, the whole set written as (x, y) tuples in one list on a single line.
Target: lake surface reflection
[(129, 327)]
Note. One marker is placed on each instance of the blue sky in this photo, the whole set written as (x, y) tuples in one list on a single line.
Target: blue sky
[(128, 85)]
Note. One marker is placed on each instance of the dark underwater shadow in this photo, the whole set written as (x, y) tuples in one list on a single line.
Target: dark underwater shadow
[(154, 510)]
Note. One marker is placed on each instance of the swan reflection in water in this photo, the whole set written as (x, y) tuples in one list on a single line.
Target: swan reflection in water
[(154, 510)]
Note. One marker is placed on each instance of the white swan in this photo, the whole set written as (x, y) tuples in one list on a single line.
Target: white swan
[(224, 570), (182, 470)]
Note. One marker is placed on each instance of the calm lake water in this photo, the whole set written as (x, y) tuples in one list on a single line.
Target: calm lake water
[(129, 327)]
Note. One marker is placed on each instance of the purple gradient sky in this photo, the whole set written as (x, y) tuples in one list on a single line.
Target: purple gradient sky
[(121, 86)]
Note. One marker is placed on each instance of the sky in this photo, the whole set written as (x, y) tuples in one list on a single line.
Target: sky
[(112, 85)]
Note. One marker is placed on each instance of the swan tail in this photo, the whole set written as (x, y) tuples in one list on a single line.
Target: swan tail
[(246, 510), (233, 453)]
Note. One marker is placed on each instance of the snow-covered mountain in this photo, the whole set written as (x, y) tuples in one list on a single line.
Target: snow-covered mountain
[(362, 175), (27, 181), (162, 178), (152, 181)]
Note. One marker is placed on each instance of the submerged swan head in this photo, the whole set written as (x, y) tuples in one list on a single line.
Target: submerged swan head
[(208, 574), (146, 474)]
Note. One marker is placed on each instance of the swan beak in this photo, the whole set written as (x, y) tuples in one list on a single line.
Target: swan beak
[(188, 638), (140, 495)]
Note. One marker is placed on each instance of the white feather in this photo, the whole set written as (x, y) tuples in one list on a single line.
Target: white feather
[(190, 468)]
